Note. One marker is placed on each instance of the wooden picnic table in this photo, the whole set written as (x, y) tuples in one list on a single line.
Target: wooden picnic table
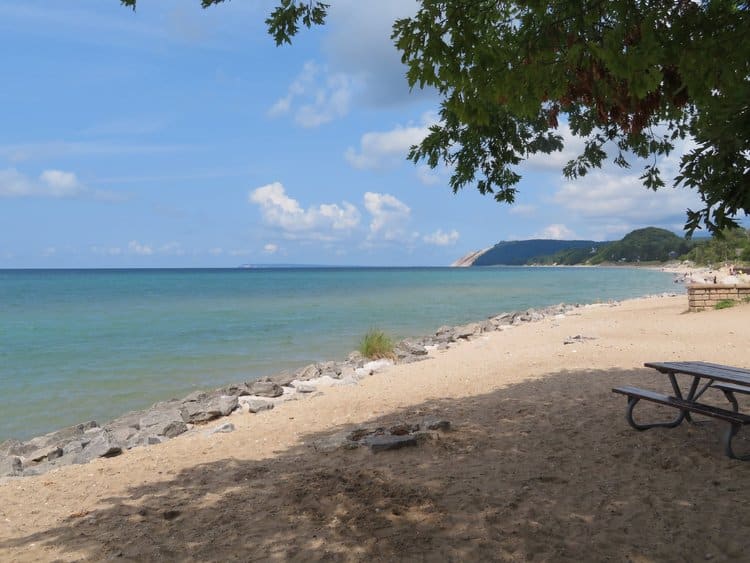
[(727, 379)]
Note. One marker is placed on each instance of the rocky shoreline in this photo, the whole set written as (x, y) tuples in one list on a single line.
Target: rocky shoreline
[(167, 419)]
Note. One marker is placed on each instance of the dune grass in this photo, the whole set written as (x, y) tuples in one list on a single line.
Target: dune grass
[(376, 344), (724, 304)]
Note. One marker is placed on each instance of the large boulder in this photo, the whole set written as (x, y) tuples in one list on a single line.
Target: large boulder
[(206, 407), (264, 389), (101, 445), (166, 422)]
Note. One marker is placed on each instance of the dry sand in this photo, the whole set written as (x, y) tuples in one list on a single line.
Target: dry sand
[(540, 465)]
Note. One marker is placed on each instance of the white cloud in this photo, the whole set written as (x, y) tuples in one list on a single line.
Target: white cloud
[(556, 231), (389, 216), (358, 42), (440, 238), (61, 184), (135, 247), (383, 149), (323, 222), (555, 161), (270, 248), (613, 198), (216, 251), (315, 97), (55, 184)]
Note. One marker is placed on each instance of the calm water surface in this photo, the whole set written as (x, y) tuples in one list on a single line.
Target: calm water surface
[(77, 345)]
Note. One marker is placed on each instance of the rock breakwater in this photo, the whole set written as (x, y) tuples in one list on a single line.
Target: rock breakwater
[(168, 419)]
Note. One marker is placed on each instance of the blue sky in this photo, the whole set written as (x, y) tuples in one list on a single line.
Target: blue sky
[(176, 136)]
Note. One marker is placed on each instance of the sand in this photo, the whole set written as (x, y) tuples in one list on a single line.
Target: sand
[(540, 464)]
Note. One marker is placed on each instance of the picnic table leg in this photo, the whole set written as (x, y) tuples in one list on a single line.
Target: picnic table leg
[(731, 433), (633, 401), (732, 399), (678, 392)]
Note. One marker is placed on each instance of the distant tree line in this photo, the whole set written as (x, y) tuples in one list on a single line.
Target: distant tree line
[(650, 244)]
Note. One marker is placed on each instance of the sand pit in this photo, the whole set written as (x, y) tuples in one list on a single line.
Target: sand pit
[(540, 464)]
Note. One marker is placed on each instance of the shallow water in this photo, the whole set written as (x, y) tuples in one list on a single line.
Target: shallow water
[(92, 344)]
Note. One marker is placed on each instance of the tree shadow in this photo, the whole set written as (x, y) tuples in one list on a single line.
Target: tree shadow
[(543, 470)]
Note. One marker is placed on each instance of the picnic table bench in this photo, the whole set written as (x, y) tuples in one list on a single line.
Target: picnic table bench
[(727, 379)]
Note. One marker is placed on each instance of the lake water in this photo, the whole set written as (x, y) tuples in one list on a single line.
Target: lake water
[(77, 345)]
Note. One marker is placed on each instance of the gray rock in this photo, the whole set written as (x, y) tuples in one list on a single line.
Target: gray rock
[(331, 369), (503, 319), (355, 359), (264, 389), (53, 439), (385, 442), (10, 466), (236, 390), (308, 372), (44, 454), (445, 334), (283, 378), (167, 423), (412, 348), (102, 445), (486, 326), (467, 331), (257, 405), (222, 428), (305, 388), (72, 448), (207, 408), (437, 424)]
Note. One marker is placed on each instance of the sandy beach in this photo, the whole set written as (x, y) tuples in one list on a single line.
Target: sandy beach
[(540, 463)]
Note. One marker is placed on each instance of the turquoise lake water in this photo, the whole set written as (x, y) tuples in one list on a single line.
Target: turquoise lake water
[(77, 345)]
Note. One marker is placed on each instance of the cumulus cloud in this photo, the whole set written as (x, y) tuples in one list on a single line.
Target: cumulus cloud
[(384, 149), (389, 216), (623, 198), (270, 248), (55, 184), (323, 222), (556, 231), (316, 96), (440, 238)]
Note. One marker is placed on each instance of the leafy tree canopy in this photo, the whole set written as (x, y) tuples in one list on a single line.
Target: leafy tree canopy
[(633, 78)]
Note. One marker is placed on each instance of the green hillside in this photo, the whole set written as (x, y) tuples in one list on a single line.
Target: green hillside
[(520, 252), (642, 245)]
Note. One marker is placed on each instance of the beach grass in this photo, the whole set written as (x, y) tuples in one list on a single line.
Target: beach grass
[(725, 304), (376, 344)]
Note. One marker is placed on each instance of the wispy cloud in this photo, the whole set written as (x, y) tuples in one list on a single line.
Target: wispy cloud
[(55, 184), (315, 97), (54, 149), (383, 149)]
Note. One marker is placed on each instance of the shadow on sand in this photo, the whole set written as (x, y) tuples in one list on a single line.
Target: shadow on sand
[(543, 470)]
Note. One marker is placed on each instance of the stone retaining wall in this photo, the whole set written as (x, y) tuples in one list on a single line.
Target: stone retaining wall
[(706, 296)]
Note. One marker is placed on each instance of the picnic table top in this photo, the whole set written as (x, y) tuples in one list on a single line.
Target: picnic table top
[(717, 372)]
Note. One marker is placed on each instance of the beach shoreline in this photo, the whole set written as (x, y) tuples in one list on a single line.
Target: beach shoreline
[(532, 421)]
